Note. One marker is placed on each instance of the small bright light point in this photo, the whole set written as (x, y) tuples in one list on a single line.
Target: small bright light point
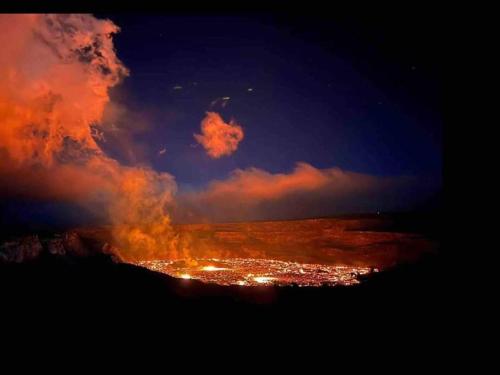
[(263, 279), (185, 276), (213, 268), (250, 89)]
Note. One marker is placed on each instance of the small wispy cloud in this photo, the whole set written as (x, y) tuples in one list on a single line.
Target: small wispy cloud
[(218, 137)]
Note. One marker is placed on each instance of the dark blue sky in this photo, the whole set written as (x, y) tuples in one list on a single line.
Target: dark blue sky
[(363, 96)]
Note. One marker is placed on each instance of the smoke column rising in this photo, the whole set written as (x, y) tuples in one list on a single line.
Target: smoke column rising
[(55, 74)]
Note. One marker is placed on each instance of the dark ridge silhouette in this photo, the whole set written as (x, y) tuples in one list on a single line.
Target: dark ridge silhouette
[(71, 282), (57, 288)]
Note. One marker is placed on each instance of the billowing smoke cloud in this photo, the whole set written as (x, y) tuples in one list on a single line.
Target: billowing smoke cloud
[(55, 73), (217, 137), (254, 194)]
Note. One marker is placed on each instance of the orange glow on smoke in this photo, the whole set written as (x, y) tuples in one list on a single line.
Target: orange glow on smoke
[(217, 137), (55, 74)]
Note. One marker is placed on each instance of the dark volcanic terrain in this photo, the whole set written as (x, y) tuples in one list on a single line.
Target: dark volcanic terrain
[(378, 241), (73, 274)]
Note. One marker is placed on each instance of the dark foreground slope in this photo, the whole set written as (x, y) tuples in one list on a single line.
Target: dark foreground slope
[(67, 282), (59, 289)]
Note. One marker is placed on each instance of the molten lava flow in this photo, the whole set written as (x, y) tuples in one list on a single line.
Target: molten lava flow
[(253, 272), (264, 279)]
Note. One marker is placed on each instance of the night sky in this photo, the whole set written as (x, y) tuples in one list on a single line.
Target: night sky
[(362, 96)]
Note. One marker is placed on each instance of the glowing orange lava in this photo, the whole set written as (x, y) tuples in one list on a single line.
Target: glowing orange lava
[(213, 268), (254, 272), (264, 279)]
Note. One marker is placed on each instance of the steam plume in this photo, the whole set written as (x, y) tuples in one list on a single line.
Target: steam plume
[(55, 74)]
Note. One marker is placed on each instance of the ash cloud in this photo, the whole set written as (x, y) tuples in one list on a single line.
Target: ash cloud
[(218, 137)]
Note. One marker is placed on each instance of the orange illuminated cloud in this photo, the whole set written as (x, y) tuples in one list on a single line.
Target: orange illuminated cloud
[(55, 74), (255, 194), (217, 137)]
